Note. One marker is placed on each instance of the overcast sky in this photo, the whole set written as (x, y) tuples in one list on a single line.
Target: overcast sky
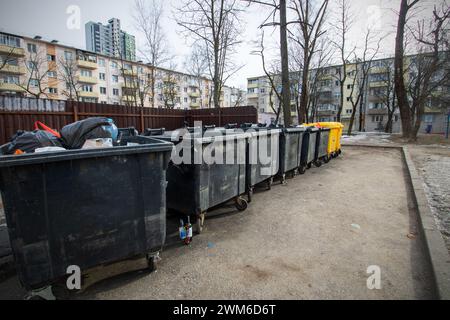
[(48, 18)]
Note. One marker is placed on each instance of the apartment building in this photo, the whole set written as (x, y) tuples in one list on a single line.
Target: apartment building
[(46, 69), (110, 40), (374, 107)]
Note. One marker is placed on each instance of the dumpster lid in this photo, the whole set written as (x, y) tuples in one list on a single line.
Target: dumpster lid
[(208, 136), (151, 145)]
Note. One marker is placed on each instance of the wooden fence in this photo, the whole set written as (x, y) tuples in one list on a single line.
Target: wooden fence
[(21, 114)]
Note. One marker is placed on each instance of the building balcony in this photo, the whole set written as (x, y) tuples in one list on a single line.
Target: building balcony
[(325, 77), (195, 105), (252, 95), (10, 87), (13, 51), (13, 69), (130, 98), (378, 84), (130, 85), (252, 85), (194, 94), (377, 111), (129, 72), (86, 94), (90, 80), (326, 112), (377, 70), (87, 64)]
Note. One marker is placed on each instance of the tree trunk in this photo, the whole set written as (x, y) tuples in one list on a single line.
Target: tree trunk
[(285, 65), (352, 121), (400, 88)]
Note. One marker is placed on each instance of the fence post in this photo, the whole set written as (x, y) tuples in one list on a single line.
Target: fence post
[(75, 110), (141, 110)]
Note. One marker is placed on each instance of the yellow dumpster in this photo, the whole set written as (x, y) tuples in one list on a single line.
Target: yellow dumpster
[(334, 143)]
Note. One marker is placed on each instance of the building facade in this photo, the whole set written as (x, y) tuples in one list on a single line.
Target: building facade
[(110, 40), (36, 68), (374, 108)]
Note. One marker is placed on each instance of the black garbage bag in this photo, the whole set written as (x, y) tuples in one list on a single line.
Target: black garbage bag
[(75, 134), (28, 141)]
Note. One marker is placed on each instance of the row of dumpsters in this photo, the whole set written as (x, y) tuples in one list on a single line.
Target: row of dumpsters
[(90, 208)]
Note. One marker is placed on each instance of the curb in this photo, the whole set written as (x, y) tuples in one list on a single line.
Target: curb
[(436, 250)]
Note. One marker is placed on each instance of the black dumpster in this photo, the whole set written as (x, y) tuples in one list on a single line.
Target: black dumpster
[(260, 170), (84, 207), (291, 141), (194, 188), (322, 147), (308, 155)]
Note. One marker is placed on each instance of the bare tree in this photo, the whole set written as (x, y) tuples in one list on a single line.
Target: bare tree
[(386, 94), (273, 77), (311, 22), (148, 18), (342, 27), (7, 59), (280, 7), (68, 73), (170, 92), (318, 63), (427, 70), (216, 24), (360, 76), (239, 99), (197, 65), (35, 82), (400, 87)]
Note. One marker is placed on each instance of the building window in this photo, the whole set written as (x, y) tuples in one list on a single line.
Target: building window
[(102, 90), (115, 79), (101, 62), (68, 55), (31, 65), (32, 48), (10, 41), (86, 73), (428, 118), (185, 100), (87, 88), (51, 57), (113, 64), (115, 92), (34, 82), (53, 90), (102, 76), (51, 74)]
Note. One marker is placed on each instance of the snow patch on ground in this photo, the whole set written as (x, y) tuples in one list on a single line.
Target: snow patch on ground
[(368, 137)]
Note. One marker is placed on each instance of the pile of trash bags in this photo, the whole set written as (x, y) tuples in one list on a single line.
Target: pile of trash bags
[(90, 133)]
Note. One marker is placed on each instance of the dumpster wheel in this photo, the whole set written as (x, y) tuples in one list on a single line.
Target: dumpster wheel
[(283, 179), (152, 261), (318, 163), (302, 169), (269, 184), (250, 194), (309, 165), (200, 223), (241, 204), (327, 159)]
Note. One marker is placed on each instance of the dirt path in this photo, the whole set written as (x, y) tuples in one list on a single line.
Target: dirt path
[(312, 239)]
